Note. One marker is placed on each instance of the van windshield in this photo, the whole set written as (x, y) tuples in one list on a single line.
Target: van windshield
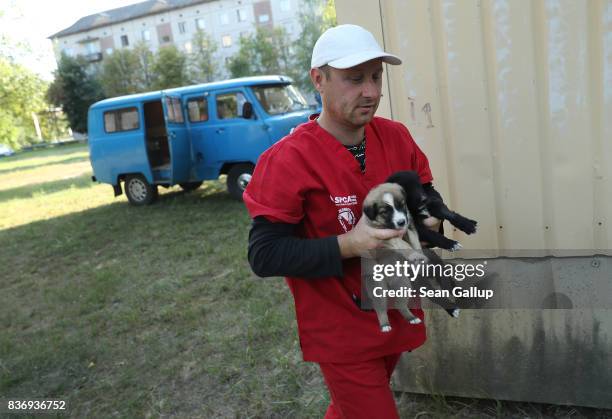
[(280, 98)]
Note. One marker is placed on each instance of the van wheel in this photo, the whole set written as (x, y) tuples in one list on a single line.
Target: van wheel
[(238, 178), (190, 186), (139, 191)]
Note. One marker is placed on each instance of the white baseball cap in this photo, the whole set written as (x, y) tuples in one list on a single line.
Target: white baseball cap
[(346, 46)]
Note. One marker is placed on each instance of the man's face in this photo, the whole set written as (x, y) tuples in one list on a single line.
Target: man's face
[(351, 96)]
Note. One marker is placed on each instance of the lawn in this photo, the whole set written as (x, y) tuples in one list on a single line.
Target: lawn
[(154, 312)]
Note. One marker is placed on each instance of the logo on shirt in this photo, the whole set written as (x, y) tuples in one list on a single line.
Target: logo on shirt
[(344, 200), (346, 218)]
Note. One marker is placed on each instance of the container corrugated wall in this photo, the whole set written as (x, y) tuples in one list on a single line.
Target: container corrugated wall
[(512, 102)]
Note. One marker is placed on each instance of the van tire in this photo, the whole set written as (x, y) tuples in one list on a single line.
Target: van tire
[(190, 186), (139, 191), (237, 179)]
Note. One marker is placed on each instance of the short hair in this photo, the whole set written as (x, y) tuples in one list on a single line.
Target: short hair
[(325, 69)]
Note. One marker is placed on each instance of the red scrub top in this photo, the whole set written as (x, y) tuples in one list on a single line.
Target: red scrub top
[(309, 178)]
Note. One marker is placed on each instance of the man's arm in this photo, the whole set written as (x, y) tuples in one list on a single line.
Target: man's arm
[(274, 250)]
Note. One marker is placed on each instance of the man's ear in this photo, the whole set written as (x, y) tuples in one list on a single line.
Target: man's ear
[(316, 76), (370, 211)]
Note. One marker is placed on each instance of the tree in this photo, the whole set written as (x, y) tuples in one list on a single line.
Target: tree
[(74, 90), (265, 52), (22, 93), (315, 18), (202, 63), (169, 68), (121, 73), (145, 65)]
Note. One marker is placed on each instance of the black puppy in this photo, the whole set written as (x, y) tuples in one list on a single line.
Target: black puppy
[(425, 203)]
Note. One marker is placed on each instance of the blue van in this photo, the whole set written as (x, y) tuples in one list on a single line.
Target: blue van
[(190, 134)]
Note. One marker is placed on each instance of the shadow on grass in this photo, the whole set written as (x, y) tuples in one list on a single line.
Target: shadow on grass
[(28, 191), (51, 163)]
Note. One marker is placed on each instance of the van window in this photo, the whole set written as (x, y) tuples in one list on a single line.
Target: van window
[(229, 105), (175, 114), (197, 109), (280, 98), (121, 120)]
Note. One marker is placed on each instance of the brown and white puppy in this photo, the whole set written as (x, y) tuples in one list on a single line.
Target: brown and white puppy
[(385, 207)]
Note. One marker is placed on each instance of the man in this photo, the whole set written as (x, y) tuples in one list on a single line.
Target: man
[(305, 197)]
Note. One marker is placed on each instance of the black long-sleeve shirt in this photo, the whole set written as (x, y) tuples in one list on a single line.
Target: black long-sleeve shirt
[(275, 250)]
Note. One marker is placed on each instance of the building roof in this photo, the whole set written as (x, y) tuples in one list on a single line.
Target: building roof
[(125, 13)]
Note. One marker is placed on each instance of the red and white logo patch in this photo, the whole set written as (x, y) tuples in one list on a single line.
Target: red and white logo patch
[(346, 218)]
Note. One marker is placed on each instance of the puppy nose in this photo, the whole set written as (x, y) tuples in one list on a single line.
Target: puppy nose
[(401, 223)]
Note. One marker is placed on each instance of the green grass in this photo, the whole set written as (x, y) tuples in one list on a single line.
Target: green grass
[(149, 312)]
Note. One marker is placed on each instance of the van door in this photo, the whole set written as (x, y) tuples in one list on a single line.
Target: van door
[(202, 144), (178, 139), (236, 139)]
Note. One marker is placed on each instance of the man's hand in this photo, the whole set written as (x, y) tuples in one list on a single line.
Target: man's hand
[(363, 238)]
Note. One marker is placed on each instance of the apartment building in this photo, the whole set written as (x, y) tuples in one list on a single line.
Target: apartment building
[(165, 22)]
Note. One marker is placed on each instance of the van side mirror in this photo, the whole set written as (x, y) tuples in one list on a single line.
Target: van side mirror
[(247, 110)]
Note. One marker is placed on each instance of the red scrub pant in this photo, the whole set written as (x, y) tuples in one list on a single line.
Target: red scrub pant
[(361, 390)]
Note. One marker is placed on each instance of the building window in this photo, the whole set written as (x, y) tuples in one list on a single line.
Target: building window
[(197, 109), (224, 19), (124, 41), (121, 120), (264, 18), (200, 23), (241, 15), (285, 5), (182, 27), (146, 35), (165, 39), (188, 47), (109, 51), (226, 41), (92, 47)]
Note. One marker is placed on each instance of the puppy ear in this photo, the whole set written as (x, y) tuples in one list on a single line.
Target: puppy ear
[(370, 210)]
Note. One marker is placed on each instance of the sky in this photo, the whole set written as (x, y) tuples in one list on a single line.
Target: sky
[(32, 21)]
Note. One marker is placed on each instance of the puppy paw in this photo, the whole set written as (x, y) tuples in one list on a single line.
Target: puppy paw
[(455, 247), (415, 321), (385, 328), (465, 224), (417, 257)]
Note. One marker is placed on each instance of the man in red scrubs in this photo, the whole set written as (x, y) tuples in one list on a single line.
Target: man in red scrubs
[(305, 198)]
